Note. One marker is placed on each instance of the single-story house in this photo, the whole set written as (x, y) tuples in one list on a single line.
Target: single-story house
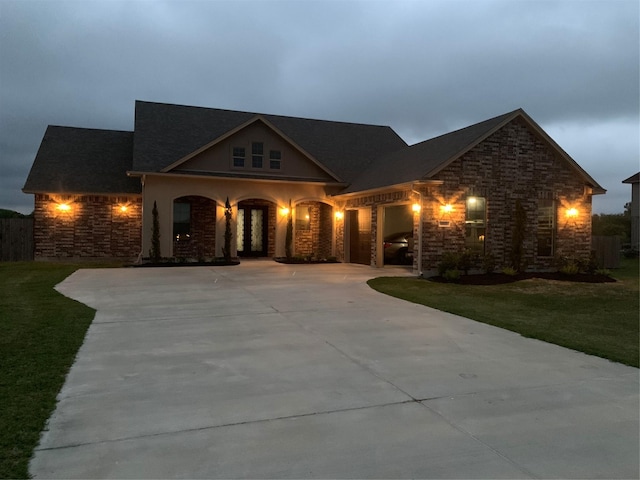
[(484, 189)]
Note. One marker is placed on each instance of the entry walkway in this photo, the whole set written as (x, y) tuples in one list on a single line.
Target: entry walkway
[(265, 370)]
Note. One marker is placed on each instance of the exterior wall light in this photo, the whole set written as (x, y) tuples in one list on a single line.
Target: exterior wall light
[(448, 208), (123, 208), (415, 207), (339, 215), (63, 207), (572, 212), (284, 211)]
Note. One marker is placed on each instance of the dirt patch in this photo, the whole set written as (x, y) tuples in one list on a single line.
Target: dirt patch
[(501, 278)]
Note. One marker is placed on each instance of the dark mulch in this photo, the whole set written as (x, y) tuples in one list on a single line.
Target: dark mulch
[(300, 261), (500, 278)]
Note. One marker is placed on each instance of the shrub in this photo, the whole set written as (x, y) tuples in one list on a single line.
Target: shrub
[(449, 262), (452, 275), (603, 271), (571, 268), (510, 271), (489, 263)]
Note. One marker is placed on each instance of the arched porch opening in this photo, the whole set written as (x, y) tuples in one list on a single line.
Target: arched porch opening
[(194, 227), (313, 229)]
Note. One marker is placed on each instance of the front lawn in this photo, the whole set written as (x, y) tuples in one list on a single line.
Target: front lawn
[(40, 333), (597, 318)]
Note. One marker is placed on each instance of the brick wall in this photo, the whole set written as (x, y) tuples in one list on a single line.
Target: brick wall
[(315, 241), (512, 164), (94, 226), (202, 241)]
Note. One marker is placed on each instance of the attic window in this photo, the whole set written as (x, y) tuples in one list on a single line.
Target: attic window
[(257, 154), (275, 159), (238, 157)]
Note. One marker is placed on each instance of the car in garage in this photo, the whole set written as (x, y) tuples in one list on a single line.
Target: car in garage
[(398, 248)]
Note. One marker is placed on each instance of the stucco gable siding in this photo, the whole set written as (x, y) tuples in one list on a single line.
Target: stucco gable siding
[(218, 158)]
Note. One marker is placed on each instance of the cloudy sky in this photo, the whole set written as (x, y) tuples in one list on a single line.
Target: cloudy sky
[(422, 67)]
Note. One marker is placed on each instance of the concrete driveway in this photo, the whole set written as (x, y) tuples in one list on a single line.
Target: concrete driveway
[(265, 370)]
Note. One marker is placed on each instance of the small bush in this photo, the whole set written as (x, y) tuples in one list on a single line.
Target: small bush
[(452, 275), (603, 271), (571, 268), (449, 262), (489, 263), (512, 272)]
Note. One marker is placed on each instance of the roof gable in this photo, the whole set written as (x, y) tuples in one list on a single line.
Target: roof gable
[(166, 134), (82, 160), (315, 169), (425, 159)]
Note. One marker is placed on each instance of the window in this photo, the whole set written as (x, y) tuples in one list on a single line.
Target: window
[(238, 157), (475, 223), (256, 154), (275, 159), (181, 221), (546, 227)]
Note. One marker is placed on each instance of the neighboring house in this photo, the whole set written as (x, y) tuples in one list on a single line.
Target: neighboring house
[(348, 186), (634, 208)]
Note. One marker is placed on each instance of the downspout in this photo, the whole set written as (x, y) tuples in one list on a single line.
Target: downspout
[(419, 230)]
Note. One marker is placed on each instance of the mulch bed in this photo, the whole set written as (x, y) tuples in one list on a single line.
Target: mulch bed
[(501, 278)]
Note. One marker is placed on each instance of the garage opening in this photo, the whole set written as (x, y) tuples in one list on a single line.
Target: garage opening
[(398, 235)]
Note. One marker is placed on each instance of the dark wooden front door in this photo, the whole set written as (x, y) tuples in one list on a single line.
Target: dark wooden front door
[(252, 231)]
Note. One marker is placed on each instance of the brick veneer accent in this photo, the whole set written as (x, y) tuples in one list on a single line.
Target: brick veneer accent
[(202, 241), (317, 240), (94, 227), (513, 163)]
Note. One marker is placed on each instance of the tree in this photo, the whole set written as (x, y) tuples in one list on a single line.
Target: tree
[(226, 250), (154, 252)]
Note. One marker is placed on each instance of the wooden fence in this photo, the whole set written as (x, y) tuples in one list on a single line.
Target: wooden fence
[(16, 239), (607, 250)]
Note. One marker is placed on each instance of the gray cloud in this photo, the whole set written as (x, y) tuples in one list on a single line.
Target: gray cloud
[(423, 67)]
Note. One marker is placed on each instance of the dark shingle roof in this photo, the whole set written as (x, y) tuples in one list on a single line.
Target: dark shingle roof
[(165, 133), (83, 160), (633, 179), (419, 160)]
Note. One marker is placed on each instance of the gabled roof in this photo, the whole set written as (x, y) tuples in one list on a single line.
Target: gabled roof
[(166, 133), (423, 160), (82, 160), (633, 179)]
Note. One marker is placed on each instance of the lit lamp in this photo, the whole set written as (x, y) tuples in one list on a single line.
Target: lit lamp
[(572, 213), (339, 215), (63, 207), (123, 208), (415, 207), (284, 211), (448, 208)]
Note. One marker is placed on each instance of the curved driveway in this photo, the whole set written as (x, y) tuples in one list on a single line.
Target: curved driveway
[(265, 370)]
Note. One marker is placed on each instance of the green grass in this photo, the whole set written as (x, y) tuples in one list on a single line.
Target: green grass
[(40, 333), (599, 319)]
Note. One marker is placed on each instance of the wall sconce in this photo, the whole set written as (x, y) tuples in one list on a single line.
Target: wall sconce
[(339, 215), (284, 211), (572, 213), (123, 208), (416, 208), (63, 207), (448, 208)]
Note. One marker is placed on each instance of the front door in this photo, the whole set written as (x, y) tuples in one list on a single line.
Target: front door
[(252, 231)]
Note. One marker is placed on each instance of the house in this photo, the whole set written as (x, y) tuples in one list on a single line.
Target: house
[(634, 208), (346, 186)]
